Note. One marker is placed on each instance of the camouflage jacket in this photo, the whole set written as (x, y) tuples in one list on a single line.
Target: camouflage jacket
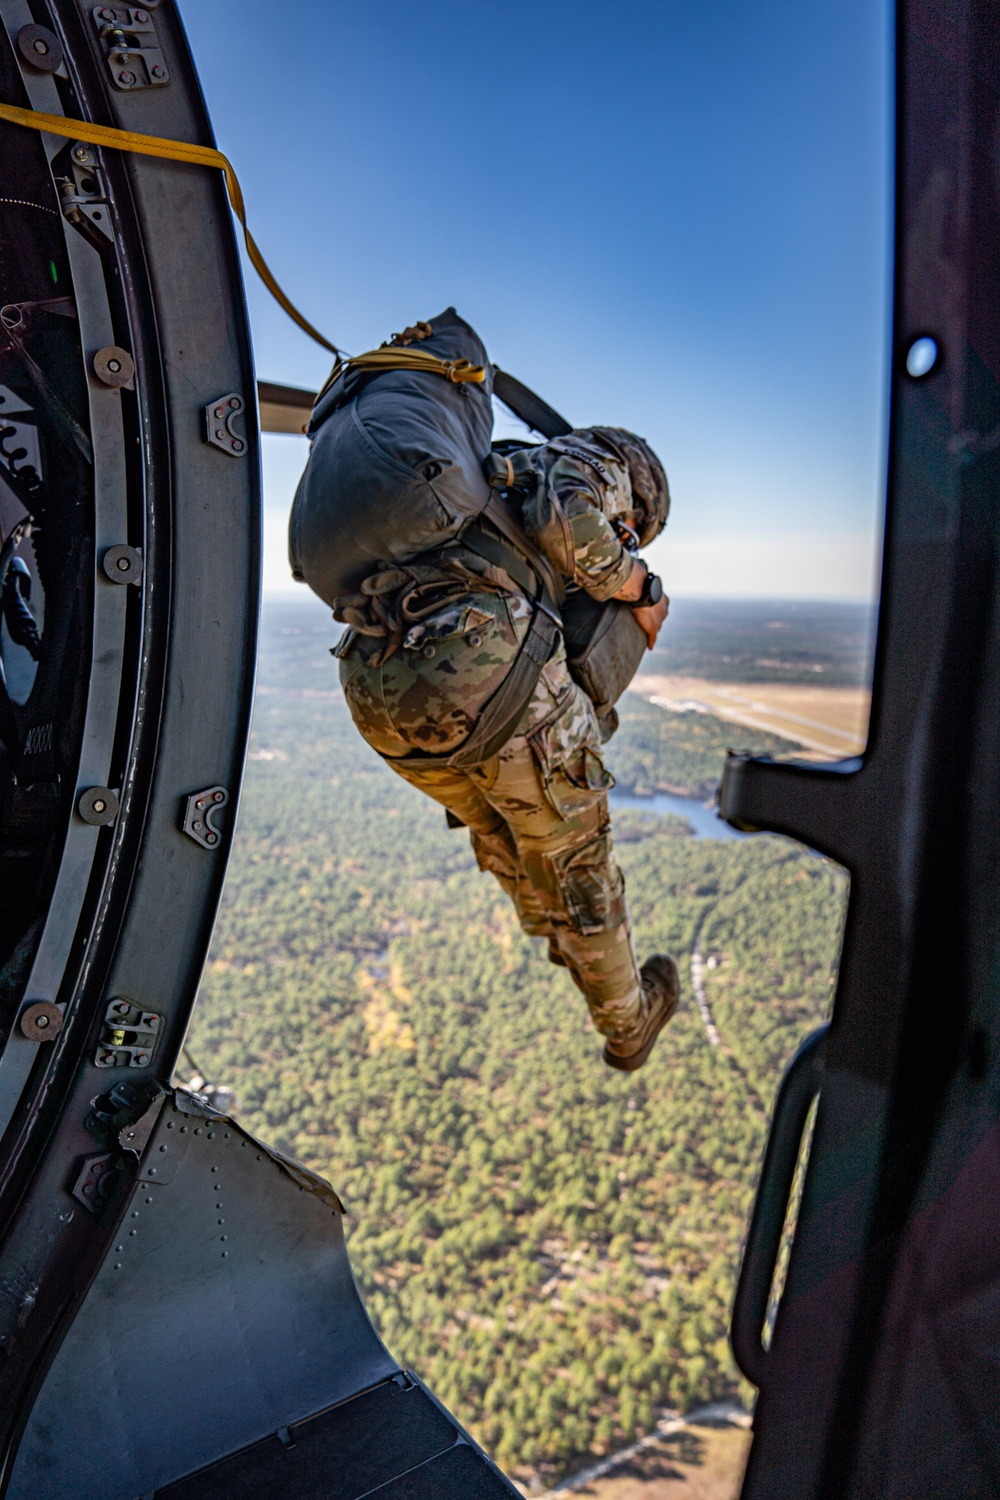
[(432, 640), (581, 493)]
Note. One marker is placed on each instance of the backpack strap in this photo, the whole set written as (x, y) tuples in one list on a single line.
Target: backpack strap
[(508, 547), (515, 551), (502, 714), (533, 411)]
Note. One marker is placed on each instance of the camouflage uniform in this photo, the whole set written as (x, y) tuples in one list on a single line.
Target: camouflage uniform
[(538, 810)]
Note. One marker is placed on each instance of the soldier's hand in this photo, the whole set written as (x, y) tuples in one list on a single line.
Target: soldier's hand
[(650, 618)]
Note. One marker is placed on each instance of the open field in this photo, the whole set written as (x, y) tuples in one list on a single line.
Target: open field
[(831, 722), (704, 1461)]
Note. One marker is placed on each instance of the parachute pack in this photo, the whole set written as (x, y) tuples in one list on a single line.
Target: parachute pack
[(396, 461), (397, 469)]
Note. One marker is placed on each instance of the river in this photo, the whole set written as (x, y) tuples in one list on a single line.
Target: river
[(703, 819)]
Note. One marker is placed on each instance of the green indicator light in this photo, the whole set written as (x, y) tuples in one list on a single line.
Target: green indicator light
[(52, 269)]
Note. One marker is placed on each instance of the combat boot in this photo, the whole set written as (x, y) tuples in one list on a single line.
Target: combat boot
[(661, 988)]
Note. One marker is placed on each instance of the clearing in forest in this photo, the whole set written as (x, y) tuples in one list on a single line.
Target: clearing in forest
[(829, 722)]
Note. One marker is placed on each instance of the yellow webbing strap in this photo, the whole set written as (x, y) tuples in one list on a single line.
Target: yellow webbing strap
[(388, 358), (392, 357), (154, 145)]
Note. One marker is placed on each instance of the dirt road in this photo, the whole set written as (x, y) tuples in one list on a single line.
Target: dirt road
[(701, 1458)]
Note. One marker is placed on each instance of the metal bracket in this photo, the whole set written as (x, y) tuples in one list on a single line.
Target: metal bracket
[(82, 192), (88, 1186), (131, 46), (129, 1036), (200, 816), (219, 429)]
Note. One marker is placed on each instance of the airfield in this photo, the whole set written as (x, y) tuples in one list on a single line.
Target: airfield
[(829, 722)]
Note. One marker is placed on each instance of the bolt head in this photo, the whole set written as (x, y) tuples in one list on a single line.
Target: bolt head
[(158, 72), (40, 46), (81, 153), (99, 804), (122, 565), (126, 77)]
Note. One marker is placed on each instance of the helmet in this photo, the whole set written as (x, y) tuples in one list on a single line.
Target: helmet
[(650, 490)]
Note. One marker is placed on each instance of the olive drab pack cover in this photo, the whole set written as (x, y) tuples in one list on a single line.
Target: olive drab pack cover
[(395, 467)]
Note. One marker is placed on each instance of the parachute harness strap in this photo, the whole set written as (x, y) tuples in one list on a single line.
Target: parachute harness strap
[(391, 357), (154, 145)]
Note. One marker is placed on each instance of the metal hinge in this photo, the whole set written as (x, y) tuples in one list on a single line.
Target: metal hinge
[(131, 46), (129, 1036)]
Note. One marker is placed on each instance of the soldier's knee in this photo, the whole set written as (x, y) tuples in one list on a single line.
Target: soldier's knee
[(495, 851), (591, 886)]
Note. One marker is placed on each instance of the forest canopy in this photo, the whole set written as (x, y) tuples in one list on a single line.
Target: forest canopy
[(550, 1245)]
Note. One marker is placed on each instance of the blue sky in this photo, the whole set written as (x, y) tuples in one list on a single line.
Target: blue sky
[(668, 216)]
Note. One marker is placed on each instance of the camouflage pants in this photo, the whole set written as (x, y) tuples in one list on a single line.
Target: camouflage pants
[(538, 817)]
